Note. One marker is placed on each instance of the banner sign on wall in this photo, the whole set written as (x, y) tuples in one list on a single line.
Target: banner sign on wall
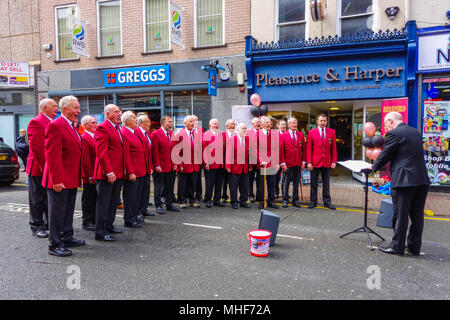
[(14, 74), (175, 25), (78, 37), (398, 105), (433, 52)]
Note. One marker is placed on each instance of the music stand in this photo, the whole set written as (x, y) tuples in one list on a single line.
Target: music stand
[(365, 228)]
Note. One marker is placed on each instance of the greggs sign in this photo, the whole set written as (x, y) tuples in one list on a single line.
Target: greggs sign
[(143, 76)]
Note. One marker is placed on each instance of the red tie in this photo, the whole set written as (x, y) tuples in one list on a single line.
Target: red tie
[(321, 133)]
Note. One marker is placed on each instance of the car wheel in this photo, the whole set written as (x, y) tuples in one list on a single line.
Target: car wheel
[(6, 183)]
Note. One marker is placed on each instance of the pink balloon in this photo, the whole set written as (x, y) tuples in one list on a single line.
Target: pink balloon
[(255, 99), (369, 129), (376, 153), (369, 153)]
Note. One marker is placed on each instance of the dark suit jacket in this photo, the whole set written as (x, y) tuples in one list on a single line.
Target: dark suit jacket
[(404, 149)]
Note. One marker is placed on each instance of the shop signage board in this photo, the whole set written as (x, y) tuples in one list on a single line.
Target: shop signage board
[(397, 105), (14, 74), (142, 76), (433, 52), (212, 82), (346, 78)]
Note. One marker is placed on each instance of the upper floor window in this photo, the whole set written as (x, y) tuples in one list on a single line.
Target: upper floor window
[(156, 25), (63, 17), (209, 23), (109, 28), (356, 16), (291, 19)]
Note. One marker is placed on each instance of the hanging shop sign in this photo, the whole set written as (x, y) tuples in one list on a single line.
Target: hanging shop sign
[(347, 78), (14, 74), (143, 76)]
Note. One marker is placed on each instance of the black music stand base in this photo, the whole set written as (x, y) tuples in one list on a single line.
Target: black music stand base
[(365, 228)]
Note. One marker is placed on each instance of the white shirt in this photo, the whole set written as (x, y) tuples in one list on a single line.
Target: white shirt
[(264, 131), (90, 133), (48, 117), (324, 132), (132, 131), (230, 133), (146, 135)]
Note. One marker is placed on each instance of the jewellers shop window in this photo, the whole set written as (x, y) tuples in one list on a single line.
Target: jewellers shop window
[(209, 23), (109, 28), (156, 25), (291, 24), (355, 16), (63, 23)]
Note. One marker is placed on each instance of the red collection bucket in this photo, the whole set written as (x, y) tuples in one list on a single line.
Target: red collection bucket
[(259, 242)]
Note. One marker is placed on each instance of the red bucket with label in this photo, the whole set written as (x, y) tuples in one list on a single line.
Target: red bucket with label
[(259, 242)]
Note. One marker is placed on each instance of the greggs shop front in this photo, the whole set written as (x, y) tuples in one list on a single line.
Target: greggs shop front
[(353, 80)]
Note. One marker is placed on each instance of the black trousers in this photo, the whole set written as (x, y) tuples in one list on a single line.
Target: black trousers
[(270, 182), (132, 198), (252, 176), (238, 181), (325, 172), (144, 201), (88, 203), (408, 202), (281, 176), (163, 187), (61, 207), (187, 185), (108, 197), (37, 199), (213, 181), (291, 175), (226, 178), (199, 187)]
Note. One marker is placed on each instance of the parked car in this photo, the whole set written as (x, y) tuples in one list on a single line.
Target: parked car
[(9, 164)]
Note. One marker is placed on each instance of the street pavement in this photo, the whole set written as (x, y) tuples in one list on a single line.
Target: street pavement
[(204, 254)]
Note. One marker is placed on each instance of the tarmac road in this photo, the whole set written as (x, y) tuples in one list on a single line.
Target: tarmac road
[(203, 254)]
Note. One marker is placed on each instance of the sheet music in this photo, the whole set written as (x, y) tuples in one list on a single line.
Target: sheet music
[(355, 165)]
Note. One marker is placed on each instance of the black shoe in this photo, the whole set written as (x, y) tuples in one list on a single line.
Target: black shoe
[(285, 204), (106, 237), (235, 206), (209, 204), (59, 252), (245, 205), (114, 231), (296, 204), (261, 205), (140, 218), (252, 199), (171, 207), (389, 250), (219, 204), (199, 199), (74, 243), (46, 227), (312, 206), (413, 252), (133, 224), (40, 234), (160, 210), (272, 205), (88, 226), (147, 213), (150, 203), (330, 206)]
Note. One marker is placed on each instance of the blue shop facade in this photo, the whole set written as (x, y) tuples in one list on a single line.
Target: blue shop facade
[(352, 79)]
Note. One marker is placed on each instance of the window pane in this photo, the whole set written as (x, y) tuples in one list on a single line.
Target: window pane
[(110, 42), (354, 25), (157, 25), (351, 7), (292, 32), (202, 108), (64, 17), (209, 22), (291, 10)]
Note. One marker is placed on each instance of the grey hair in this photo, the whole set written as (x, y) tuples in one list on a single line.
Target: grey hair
[(141, 118), (187, 118), (393, 115), (66, 101), (211, 121), (254, 120), (264, 119), (291, 119), (125, 116), (229, 121), (44, 102), (86, 119), (109, 107), (242, 124)]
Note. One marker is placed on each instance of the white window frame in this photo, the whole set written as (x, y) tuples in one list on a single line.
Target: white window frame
[(56, 29), (278, 24), (196, 22), (99, 46), (339, 17), (144, 24)]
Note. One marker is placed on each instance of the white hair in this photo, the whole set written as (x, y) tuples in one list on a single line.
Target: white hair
[(44, 102), (291, 119), (212, 120), (109, 107), (242, 124), (394, 116), (141, 118), (254, 120), (86, 119), (126, 116), (264, 119), (66, 101), (229, 121), (187, 118)]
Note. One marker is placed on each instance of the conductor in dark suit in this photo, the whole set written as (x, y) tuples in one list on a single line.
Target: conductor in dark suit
[(409, 182)]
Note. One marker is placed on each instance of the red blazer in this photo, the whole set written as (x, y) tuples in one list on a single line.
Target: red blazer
[(162, 150), (36, 137), (240, 161), (293, 153), (183, 142), (211, 144), (89, 156), (264, 148), (135, 153), (321, 152), (63, 151), (147, 147), (110, 151)]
